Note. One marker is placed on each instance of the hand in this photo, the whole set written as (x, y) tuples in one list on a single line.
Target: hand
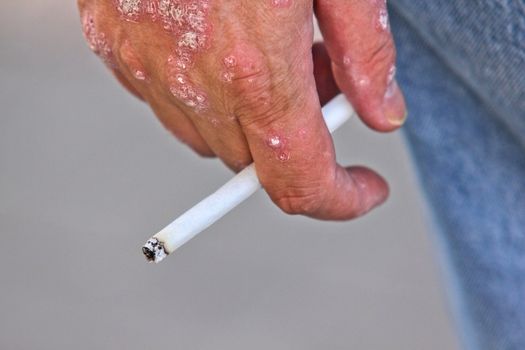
[(241, 80)]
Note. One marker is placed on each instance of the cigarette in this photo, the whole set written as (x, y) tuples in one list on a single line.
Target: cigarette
[(230, 195)]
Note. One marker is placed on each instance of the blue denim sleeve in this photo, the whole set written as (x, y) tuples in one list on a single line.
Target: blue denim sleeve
[(462, 67)]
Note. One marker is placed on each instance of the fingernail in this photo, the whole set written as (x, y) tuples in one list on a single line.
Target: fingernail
[(398, 121), (394, 107)]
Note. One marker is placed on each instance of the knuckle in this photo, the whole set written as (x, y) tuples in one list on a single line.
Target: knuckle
[(371, 67), (262, 107), (374, 59), (304, 198), (254, 97), (259, 93), (383, 52), (300, 201), (377, 51), (252, 89)]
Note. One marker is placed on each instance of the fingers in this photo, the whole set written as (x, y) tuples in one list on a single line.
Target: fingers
[(222, 130), (216, 121), (327, 88), (224, 137), (172, 117), (260, 100), (180, 126), (360, 44), (292, 148), (226, 140)]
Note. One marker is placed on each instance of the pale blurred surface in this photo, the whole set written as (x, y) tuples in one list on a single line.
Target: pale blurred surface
[(87, 174)]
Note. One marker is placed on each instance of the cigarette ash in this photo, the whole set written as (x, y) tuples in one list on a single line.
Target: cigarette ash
[(154, 250)]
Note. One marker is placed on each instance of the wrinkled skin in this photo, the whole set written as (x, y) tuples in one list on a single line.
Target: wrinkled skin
[(256, 86)]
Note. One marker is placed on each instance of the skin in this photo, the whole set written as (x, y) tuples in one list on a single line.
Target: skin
[(260, 83)]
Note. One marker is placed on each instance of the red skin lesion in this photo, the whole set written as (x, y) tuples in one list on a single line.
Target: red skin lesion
[(189, 27), (97, 40), (278, 145), (130, 10), (281, 3), (131, 60)]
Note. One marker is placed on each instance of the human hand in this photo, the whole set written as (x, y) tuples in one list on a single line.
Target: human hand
[(240, 80)]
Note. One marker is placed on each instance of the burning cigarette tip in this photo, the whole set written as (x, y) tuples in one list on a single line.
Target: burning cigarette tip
[(154, 250)]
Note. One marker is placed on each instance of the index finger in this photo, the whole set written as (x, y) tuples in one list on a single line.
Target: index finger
[(279, 112)]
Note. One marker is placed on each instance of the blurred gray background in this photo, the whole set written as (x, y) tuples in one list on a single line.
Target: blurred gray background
[(87, 174)]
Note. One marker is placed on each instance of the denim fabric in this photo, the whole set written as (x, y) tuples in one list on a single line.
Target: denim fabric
[(461, 64)]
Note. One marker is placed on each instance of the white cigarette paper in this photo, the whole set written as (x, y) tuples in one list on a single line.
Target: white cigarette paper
[(230, 195)]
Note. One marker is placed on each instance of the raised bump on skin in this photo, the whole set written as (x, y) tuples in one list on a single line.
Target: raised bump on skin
[(281, 3), (363, 81), (227, 77), (97, 41), (391, 82), (181, 87), (130, 9), (284, 156), (229, 63), (274, 141), (382, 21), (391, 75), (277, 144), (187, 22), (132, 61), (140, 75)]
